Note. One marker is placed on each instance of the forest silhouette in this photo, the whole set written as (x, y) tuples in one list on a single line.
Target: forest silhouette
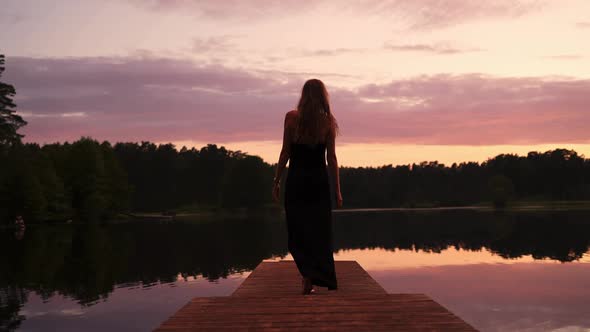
[(90, 181)]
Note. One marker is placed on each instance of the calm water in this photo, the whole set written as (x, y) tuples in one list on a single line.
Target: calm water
[(500, 272)]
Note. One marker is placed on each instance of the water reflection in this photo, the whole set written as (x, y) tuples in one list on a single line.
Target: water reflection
[(135, 308), (503, 297), (556, 235), (444, 254)]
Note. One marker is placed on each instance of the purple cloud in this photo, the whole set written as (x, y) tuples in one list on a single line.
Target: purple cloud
[(476, 110), (144, 98), (219, 44), (331, 52), (138, 98), (11, 17)]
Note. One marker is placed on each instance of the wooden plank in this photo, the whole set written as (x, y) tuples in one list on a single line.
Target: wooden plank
[(282, 279), (270, 299)]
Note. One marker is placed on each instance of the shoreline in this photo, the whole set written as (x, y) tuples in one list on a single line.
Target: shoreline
[(207, 214)]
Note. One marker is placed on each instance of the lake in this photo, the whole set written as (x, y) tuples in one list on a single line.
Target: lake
[(499, 271)]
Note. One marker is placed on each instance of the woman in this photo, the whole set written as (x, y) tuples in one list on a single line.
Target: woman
[(309, 132)]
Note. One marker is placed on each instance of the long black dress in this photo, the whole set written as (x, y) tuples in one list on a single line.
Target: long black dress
[(308, 211)]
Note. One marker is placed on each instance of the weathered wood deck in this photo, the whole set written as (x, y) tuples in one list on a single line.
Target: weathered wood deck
[(270, 299)]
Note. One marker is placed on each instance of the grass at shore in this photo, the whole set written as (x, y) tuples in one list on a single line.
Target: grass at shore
[(549, 205), (220, 213)]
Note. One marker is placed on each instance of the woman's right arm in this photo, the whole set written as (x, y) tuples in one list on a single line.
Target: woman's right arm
[(284, 156), (333, 165)]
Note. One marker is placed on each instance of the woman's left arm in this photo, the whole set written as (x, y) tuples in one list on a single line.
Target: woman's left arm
[(283, 157)]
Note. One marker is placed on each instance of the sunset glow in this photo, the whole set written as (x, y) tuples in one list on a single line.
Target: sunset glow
[(382, 259), (410, 81)]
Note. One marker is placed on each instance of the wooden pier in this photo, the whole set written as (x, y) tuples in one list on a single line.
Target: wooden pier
[(270, 299)]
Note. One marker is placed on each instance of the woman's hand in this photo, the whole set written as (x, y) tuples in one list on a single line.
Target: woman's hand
[(276, 189), (339, 199)]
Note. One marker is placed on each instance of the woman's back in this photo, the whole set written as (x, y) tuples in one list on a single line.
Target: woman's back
[(307, 156), (307, 178)]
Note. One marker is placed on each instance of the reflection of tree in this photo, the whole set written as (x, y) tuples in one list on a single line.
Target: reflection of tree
[(560, 236), (86, 262), (11, 301)]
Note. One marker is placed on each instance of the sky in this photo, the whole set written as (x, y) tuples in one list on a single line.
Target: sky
[(409, 80)]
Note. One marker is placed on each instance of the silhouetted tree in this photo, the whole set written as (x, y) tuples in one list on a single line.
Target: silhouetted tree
[(501, 190), (86, 178), (246, 182), (9, 121), (117, 189), (21, 191)]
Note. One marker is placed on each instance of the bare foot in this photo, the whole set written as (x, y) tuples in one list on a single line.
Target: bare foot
[(307, 286)]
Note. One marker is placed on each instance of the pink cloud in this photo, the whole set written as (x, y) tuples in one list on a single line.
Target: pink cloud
[(230, 9), (139, 98), (475, 110), (423, 14), (11, 18), (428, 48), (215, 44), (428, 14)]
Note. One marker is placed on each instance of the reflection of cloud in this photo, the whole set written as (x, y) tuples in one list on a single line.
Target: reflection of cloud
[(72, 312), (133, 98), (502, 297), (380, 259), (31, 314)]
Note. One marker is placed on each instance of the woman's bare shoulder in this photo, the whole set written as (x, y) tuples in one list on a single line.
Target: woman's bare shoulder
[(291, 116)]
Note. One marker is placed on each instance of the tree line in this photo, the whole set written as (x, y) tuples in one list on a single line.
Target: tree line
[(559, 174), (88, 180)]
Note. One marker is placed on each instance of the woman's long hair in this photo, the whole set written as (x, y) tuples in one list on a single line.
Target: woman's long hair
[(314, 112)]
